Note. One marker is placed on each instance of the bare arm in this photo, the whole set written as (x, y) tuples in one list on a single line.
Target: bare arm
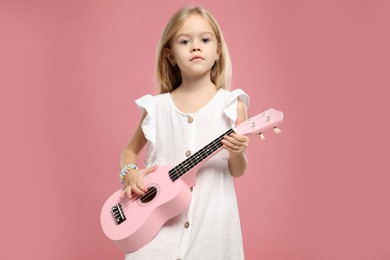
[(236, 145), (133, 182), (137, 142)]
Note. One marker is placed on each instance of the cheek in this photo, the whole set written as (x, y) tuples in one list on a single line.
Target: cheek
[(179, 55), (214, 51)]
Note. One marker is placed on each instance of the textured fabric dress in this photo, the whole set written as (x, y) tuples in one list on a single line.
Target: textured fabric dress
[(210, 227)]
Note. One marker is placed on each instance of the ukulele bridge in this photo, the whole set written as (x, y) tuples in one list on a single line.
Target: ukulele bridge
[(118, 214)]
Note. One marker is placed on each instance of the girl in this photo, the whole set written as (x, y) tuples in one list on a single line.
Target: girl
[(192, 109)]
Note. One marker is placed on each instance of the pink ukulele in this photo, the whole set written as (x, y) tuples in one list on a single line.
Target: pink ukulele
[(132, 223)]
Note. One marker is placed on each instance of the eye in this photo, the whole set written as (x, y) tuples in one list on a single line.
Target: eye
[(184, 42), (205, 40)]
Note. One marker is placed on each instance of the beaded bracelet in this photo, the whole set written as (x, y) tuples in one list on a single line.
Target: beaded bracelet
[(125, 170)]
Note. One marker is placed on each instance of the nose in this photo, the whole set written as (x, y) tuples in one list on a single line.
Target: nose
[(195, 46)]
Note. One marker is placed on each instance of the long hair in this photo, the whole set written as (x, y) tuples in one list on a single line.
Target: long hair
[(168, 77)]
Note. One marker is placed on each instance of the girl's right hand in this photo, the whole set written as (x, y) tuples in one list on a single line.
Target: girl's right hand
[(133, 182)]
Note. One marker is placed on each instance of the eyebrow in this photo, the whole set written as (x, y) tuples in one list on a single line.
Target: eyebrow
[(188, 34)]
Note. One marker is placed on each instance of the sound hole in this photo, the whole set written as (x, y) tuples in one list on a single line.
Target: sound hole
[(149, 195)]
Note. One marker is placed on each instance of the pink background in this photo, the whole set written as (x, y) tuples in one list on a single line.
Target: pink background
[(70, 71)]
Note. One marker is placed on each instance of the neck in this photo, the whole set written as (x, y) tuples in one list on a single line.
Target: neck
[(196, 83)]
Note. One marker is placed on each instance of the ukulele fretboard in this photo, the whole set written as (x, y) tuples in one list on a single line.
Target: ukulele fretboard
[(189, 163)]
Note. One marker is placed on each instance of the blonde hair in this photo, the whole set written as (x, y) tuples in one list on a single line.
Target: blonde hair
[(168, 77)]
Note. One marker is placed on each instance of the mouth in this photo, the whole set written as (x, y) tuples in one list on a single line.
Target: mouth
[(196, 58)]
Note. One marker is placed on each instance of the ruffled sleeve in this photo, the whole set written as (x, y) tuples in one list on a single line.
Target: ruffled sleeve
[(231, 104), (148, 125)]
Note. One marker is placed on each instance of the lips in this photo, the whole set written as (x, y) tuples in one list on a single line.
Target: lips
[(197, 58)]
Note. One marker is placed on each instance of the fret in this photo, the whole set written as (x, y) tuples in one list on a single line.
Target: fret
[(189, 163)]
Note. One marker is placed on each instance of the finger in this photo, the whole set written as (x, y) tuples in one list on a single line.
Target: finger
[(227, 148), (126, 192), (141, 186), (154, 168), (137, 190), (229, 145), (232, 140), (234, 148), (122, 194), (239, 138)]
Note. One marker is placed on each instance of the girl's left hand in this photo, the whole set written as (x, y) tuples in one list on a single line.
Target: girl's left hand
[(235, 143)]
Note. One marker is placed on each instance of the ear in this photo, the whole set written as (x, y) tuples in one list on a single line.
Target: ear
[(169, 55), (219, 51)]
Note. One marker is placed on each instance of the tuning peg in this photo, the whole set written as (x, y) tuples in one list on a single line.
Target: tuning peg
[(262, 137), (277, 130)]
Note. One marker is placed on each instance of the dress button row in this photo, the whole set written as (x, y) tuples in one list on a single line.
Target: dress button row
[(190, 119)]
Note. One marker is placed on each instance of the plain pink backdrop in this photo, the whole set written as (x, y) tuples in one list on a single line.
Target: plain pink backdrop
[(70, 71)]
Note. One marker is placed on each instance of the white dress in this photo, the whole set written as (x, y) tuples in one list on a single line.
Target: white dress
[(210, 228)]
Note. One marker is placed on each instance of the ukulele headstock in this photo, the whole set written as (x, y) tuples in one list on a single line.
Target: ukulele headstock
[(257, 124)]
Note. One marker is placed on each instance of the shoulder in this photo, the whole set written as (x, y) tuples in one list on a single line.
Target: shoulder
[(234, 95), (236, 103), (148, 104), (150, 99)]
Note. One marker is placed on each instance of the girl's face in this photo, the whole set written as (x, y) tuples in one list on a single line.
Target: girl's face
[(194, 47)]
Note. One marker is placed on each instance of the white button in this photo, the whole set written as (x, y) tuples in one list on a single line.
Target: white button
[(187, 224)]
